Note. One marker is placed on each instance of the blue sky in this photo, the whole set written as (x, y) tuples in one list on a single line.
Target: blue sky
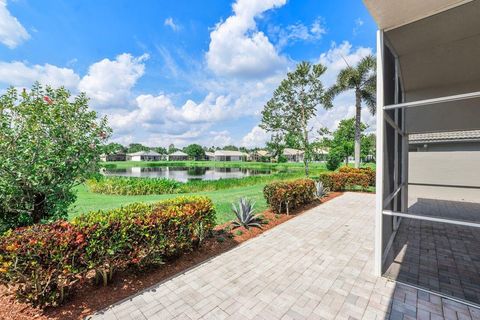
[(181, 71)]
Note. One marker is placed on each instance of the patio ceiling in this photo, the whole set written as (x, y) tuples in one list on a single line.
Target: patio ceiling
[(393, 13), (438, 56)]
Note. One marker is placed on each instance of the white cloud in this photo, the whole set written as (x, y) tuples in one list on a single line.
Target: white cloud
[(358, 24), (12, 33), (19, 74), (237, 48), (298, 32), (170, 23), (257, 137), (109, 82)]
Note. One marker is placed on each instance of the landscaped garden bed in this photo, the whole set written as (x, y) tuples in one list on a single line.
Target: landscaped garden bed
[(91, 297)]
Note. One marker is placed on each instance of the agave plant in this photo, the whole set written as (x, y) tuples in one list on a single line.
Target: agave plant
[(321, 190), (246, 216)]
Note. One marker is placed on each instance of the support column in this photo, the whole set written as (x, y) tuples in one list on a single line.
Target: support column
[(380, 156)]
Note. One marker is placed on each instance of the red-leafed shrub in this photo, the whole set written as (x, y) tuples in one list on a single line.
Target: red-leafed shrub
[(367, 171), (144, 234), (44, 261), (288, 195), (347, 178)]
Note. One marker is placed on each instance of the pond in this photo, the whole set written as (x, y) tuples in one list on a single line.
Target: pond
[(184, 174)]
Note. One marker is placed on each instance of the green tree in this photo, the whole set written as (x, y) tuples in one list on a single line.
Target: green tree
[(135, 147), (114, 147), (362, 80), (171, 148), (343, 141), (160, 150), (195, 151), (294, 103), (369, 146), (276, 146), (230, 148), (49, 143)]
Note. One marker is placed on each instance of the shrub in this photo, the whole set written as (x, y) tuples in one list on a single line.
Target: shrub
[(366, 170), (347, 178), (49, 143), (289, 194), (44, 261), (334, 160)]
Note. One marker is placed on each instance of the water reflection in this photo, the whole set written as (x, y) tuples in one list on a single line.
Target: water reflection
[(184, 174)]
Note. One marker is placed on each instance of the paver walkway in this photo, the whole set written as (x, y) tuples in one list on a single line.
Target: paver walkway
[(316, 266)]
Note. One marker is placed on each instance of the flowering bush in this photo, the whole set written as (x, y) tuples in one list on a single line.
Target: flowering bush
[(347, 178), (44, 261), (49, 142), (289, 194)]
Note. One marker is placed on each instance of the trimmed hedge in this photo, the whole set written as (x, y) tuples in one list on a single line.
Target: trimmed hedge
[(45, 261), (347, 178), (289, 195)]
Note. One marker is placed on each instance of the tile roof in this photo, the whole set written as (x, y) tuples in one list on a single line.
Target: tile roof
[(451, 136)]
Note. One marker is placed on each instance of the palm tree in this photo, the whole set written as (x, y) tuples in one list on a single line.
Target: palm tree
[(362, 79)]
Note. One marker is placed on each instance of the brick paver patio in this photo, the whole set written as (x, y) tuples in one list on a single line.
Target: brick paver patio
[(316, 266), (438, 256)]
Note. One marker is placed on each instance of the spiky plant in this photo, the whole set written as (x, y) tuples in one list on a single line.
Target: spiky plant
[(246, 216), (322, 191)]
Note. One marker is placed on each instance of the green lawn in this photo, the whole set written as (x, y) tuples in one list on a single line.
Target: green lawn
[(88, 201)]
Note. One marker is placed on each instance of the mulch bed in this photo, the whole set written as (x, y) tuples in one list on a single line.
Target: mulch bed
[(90, 298)]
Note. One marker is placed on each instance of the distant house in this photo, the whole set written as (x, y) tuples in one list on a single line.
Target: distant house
[(144, 156), (114, 157), (209, 156), (293, 155), (320, 154), (178, 156), (226, 155), (259, 156)]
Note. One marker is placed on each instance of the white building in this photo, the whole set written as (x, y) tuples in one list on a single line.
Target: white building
[(144, 156), (178, 156), (209, 156), (226, 155), (293, 155)]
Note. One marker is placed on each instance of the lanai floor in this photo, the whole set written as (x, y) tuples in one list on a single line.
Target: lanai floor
[(316, 266)]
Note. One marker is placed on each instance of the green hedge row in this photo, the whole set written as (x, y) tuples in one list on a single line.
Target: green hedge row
[(45, 261), (284, 196)]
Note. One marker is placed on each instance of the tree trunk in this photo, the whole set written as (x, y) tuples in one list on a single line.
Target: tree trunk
[(305, 142), (38, 207), (358, 112)]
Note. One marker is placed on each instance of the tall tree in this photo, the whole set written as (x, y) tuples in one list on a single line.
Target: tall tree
[(195, 151), (294, 103), (362, 80)]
